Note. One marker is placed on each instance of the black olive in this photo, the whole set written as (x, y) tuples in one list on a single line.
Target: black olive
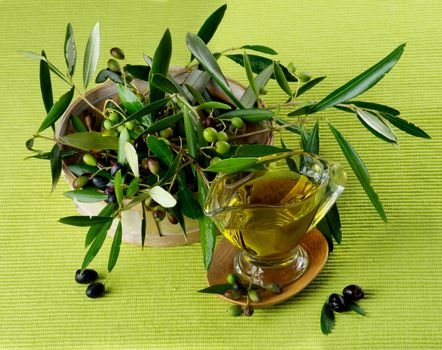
[(100, 181), (353, 292), (87, 276), (248, 310), (95, 290), (109, 189), (111, 198), (115, 168), (337, 303), (140, 145), (239, 288)]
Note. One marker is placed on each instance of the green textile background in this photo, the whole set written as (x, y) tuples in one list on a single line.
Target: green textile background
[(153, 303)]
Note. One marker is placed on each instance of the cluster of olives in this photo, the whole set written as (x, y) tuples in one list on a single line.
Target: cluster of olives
[(89, 276), (350, 294), (302, 76), (252, 293), (220, 138)]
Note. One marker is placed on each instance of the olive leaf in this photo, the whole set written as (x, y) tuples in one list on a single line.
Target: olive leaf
[(133, 187), (249, 74), (360, 170), (36, 56), (406, 126), (249, 98), (260, 48), (212, 105), (91, 55), (356, 308), (78, 124), (70, 50), (123, 138), (146, 110), (250, 150), (84, 220), (46, 84), (281, 79), (293, 128), (57, 110), (160, 149), (86, 196), (177, 211), (105, 74), (94, 230), (361, 83), (189, 205), (232, 165), (372, 106), (327, 319), (90, 140), (309, 85), (138, 71), (143, 225), (211, 24), (192, 146), (162, 197), (164, 123), (96, 244), (206, 225), (128, 99), (250, 115), (163, 83), (217, 288), (115, 249), (132, 157), (375, 125), (205, 57), (160, 64), (56, 164), (118, 186), (312, 141)]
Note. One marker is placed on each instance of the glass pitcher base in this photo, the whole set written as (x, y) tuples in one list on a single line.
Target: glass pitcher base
[(281, 272)]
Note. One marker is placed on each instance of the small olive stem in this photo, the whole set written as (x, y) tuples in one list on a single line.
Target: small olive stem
[(83, 97), (286, 104)]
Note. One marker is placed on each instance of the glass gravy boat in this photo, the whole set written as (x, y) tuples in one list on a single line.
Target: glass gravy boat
[(266, 212)]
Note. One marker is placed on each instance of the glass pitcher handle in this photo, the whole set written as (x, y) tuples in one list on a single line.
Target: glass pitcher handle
[(335, 186)]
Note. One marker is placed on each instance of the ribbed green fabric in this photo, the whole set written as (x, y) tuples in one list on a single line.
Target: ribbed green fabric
[(153, 303)]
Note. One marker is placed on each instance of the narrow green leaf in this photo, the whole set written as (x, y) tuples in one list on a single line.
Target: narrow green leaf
[(249, 74), (217, 288), (147, 110), (118, 186), (78, 124), (160, 149), (84, 220), (163, 83), (250, 115), (408, 127), (123, 138), (164, 123), (375, 125), (205, 57), (91, 55), (362, 82), (96, 245), (211, 24), (257, 150), (29, 144), (80, 169), (90, 140), (293, 128), (56, 164), (137, 200), (259, 63), (148, 60), (70, 50), (35, 56), (281, 79), (115, 249), (373, 106), (249, 98), (191, 141), (133, 187), (312, 144), (105, 74), (143, 226), (94, 230), (160, 64), (86, 196), (334, 222), (307, 86), (128, 99), (177, 211), (326, 231), (260, 48), (57, 110), (232, 165), (360, 171), (132, 158), (198, 97), (356, 308), (162, 197), (301, 111), (172, 170), (47, 155), (206, 226), (189, 205), (138, 71), (46, 84), (327, 319), (212, 105)]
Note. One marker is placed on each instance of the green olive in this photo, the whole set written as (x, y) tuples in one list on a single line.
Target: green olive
[(304, 76), (222, 136), (237, 122), (114, 117), (291, 67), (113, 65), (222, 147), (130, 125), (232, 278), (80, 181), (214, 160), (210, 134), (120, 128), (254, 296), (107, 124), (234, 310), (263, 91), (166, 133), (89, 159)]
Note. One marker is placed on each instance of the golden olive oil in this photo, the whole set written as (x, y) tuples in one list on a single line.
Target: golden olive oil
[(276, 211)]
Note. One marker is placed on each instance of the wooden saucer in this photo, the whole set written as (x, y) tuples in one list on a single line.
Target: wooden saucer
[(222, 264)]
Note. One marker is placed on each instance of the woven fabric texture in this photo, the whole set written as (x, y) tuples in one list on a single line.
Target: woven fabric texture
[(153, 301)]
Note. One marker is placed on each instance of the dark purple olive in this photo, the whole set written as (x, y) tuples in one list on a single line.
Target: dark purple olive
[(353, 292), (232, 294), (209, 122), (111, 198), (115, 168), (95, 290), (239, 288), (159, 215), (337, 303), (109, 190), (87, 276), (100, 181), (140, 145), (248, 310), (172, 218)]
